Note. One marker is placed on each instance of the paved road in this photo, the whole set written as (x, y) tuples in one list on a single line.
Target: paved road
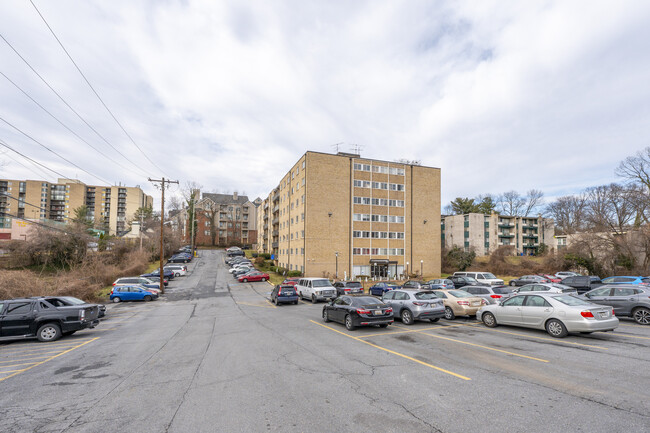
[(215, 356)]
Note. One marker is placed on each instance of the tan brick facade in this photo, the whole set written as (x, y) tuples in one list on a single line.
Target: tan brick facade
[(342, 214)]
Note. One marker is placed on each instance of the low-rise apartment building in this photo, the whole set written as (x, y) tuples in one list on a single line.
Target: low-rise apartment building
[(340, 215), (109, 207), (485, 233)]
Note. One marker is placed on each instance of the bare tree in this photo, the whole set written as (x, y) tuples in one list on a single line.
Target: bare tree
[(511, 203), (636, 169), (610, 208), (211, 210), (568, 212), (534, 199)]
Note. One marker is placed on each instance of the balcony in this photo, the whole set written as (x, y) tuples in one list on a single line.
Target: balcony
[(506, 235), (275, 233), (529, 236), (275, 221), (506, 225), (266, 216), (266, 205), (276, 209), (276, 197), (274, 245)]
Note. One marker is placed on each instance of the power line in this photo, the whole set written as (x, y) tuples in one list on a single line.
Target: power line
[(64, 101), (5, 214), (2, 143), (93, 89), (66, 126), (42, 173), (50, 150)]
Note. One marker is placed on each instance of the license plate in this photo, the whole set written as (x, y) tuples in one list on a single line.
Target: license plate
[(475, 303), (378, 312), (603, 314)]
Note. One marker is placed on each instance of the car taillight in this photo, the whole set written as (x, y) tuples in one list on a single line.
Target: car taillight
[(463, 302), (586, 314), (389, 310), (420, 304), (346, 290), (495, 296), (362, 311), (614, 313)]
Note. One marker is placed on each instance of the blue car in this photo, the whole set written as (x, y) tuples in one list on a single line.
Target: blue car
[(380, 288), (284, 294), (645, 281), (132, 293), (156, 274)]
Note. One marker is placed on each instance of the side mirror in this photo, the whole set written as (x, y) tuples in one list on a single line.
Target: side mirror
[(588, 295)]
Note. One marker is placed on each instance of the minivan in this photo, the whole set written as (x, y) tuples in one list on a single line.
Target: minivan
[(482, 277), (315, 289)]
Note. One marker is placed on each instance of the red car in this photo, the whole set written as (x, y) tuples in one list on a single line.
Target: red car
[(551, 278), (253, 276), (293, 281)]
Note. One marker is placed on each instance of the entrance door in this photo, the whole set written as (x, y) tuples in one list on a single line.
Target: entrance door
[(379, 270)]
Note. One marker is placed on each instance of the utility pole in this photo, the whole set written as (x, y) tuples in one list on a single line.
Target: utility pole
[(192, 222), (162, 220)]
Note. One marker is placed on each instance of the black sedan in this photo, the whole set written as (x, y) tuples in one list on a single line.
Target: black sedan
[(354, 311)]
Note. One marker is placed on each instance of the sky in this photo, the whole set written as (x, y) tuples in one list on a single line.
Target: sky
[(501, 95)]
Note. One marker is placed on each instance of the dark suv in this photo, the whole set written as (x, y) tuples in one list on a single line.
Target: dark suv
[(46, 318), (583, 284)]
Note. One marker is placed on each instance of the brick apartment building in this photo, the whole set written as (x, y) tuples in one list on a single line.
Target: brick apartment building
[(345, 216), (235, 220), (485, 233), (110, 207)]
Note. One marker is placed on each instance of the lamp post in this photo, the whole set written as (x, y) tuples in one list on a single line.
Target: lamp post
[(336, 256), (407, 270), (421, 262)]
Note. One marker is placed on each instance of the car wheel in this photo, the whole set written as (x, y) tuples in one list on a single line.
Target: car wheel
[(383, 325), (407, 317), (512, 284), (313, 299), (177, 274), (48, 332), (556, 329), (449, 313), (641, 316), (147, 298), (295, 302), (275, 301), (116, 299), (263, 279), (245, 280), (326, 316), (489, 320), (435, 320), (348, 323)]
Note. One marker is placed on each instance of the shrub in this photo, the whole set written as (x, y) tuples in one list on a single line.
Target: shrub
[(266, 256), (457, 259), (294, 274)]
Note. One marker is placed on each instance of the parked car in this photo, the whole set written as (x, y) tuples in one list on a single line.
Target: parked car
[(441, 283), (348, 288), (316, 289), (169, 275), (142, 281), (284, 294), (63, 301), (379, 289), (486, 278), (234, 253), (459, 303), (178, 258), (583, 284), (45, 320), (415, 284), (354, 311), (545, 287), (528, 279), (551, 278), (292, 280), (491, 294), (178, 270), (253, 276), (628, 301), (460, 281), (411, 305), (132, 293), (645, 281), (558, 314), (239, 266), (563, 274), (151, 288), (242, 271)]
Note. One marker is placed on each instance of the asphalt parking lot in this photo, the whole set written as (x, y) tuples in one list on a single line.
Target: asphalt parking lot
[(216, 355)]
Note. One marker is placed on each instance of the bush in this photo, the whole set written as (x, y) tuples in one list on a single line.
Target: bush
[(266, 256), (294, 274), (457, 259)]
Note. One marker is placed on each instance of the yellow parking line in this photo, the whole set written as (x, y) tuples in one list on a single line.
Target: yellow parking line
[(32, 349), (255, 305), (40, 345), (485, 347), (381, 334), (15, 365), (631, 336), (394, 353), (25, 359), (49, 359), (10, 371), (555, 340), (270, 303)]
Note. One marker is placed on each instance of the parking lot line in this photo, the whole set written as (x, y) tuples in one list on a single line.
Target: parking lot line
[(555, 340), (255, 305), (16, 365), (484, 347), (48, 359), (406, 330), (270, 303), (394, 352), (618, 334), (36, 344), (25, 359), (34, 349)]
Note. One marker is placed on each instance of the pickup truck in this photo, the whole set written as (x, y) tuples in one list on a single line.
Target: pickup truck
[(46, 318)]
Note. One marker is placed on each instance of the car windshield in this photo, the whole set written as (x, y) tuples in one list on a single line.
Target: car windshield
[(460, 294), (425, 295), (365, 301), (501, 290), (489, 276), (72, 300), (571, 300), (321, 283), (471, 280)]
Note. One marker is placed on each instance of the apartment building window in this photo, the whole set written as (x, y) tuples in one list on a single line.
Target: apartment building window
[(396, 203), (302, 233), (396, 187), (207, 232), (302, 199), (303, 164), (362, 183), (380, 185), (302, 251), (361, 200), (361, 217), (291, 236), (361, 167), (302, 216), (396, 171), (379, 202), (380, 169)]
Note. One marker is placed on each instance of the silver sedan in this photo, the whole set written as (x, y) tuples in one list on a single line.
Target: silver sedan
[(558, 314)]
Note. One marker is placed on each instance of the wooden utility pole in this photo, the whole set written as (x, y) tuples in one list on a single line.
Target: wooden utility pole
[(162, 221)]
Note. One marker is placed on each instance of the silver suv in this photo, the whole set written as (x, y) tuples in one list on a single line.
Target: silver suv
[(412, 305)]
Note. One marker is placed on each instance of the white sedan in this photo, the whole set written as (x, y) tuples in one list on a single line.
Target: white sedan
[(558, 314)]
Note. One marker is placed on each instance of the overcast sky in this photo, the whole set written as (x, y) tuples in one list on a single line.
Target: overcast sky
[(229, 94)]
